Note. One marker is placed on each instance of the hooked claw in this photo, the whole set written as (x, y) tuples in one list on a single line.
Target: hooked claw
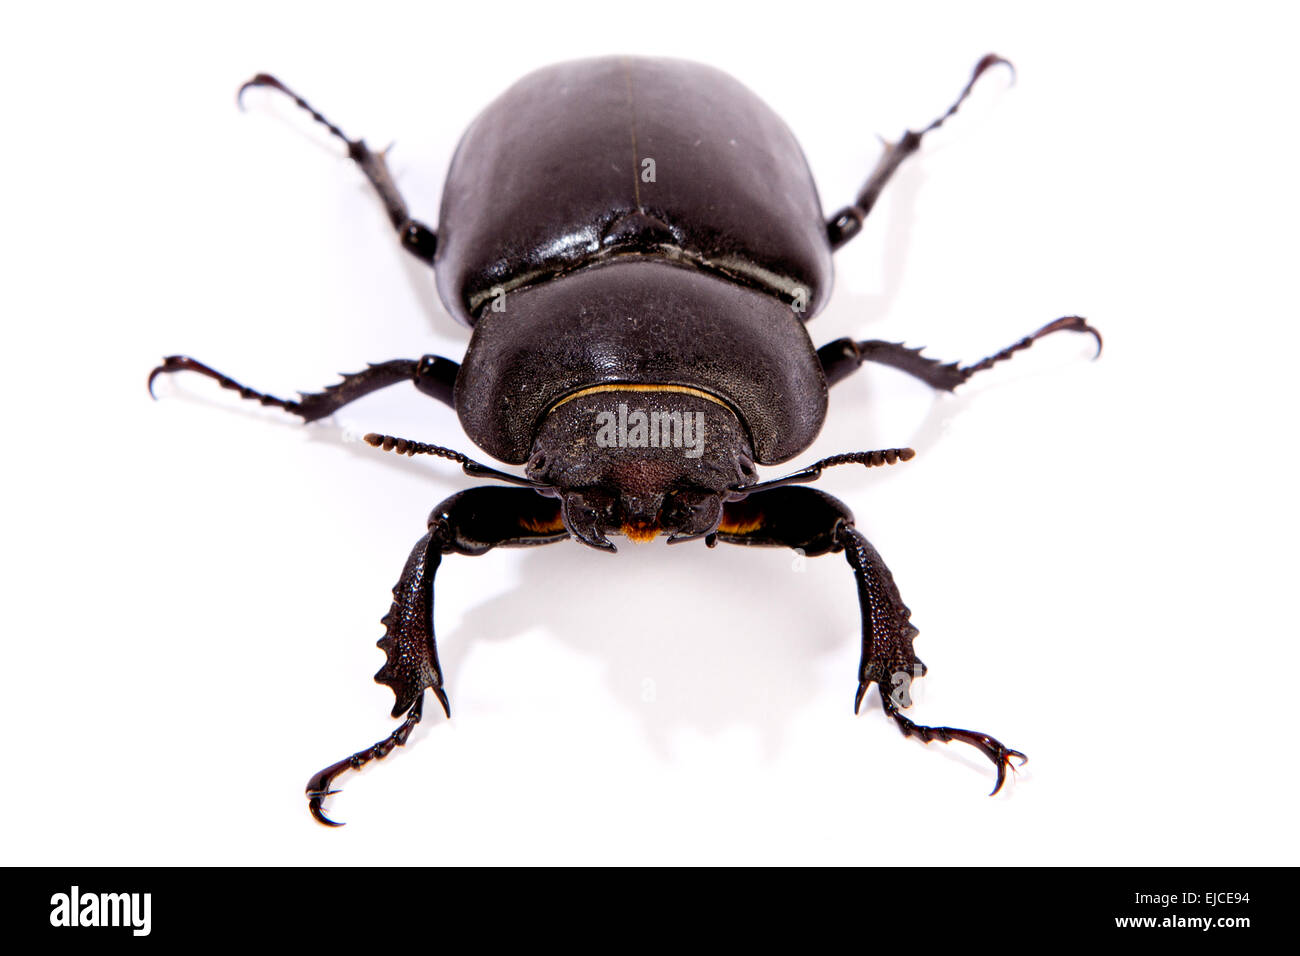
[(318, 787), (262, 79), (1003, 763), (174, 363), (183, 363), (314, 804), (992, 748), (355, 149), (318, 790), (1070, 323), (991, 60)]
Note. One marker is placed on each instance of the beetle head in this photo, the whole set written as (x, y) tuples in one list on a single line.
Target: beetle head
[(641, 460)]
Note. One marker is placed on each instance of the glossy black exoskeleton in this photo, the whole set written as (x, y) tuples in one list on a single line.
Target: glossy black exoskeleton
[(637, 245)]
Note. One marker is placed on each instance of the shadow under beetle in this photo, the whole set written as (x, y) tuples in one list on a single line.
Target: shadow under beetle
[(626, 232)]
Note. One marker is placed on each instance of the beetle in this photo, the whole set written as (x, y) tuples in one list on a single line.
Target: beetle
[(636, 245)]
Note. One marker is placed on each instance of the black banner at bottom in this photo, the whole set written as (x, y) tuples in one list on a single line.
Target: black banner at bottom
[(1224, 907)]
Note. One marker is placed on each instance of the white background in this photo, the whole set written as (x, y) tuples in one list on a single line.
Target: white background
[(1100, 555)]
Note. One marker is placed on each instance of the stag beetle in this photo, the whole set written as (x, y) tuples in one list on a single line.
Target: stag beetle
[(657, 234)]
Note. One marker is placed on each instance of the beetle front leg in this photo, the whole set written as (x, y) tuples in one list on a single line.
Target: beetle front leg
[(842, 357), (816, 523), (412, 666), (471, 523), (888, 658), (417, 238), (433, 375)]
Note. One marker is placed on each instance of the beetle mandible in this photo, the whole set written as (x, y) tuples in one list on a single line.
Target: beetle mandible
[(657, 233)]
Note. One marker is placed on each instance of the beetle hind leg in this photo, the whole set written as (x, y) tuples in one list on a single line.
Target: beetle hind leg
[(847, 223), (417, 238)]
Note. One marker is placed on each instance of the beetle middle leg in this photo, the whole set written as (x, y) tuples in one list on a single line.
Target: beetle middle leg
[(417, 238), (816, 523), (843, 357), (470, 522), (433, 375)]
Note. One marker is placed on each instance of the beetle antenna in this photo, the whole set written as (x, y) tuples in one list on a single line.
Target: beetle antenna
[(868, 459), (405, 446)]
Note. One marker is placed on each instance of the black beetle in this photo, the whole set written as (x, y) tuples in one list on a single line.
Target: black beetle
[(636, 244)]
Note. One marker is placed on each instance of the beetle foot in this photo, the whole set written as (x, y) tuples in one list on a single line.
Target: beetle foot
[(318, 787), (267, 80), (183, 363), (994, 749), (847, 223), (1069, 323)]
